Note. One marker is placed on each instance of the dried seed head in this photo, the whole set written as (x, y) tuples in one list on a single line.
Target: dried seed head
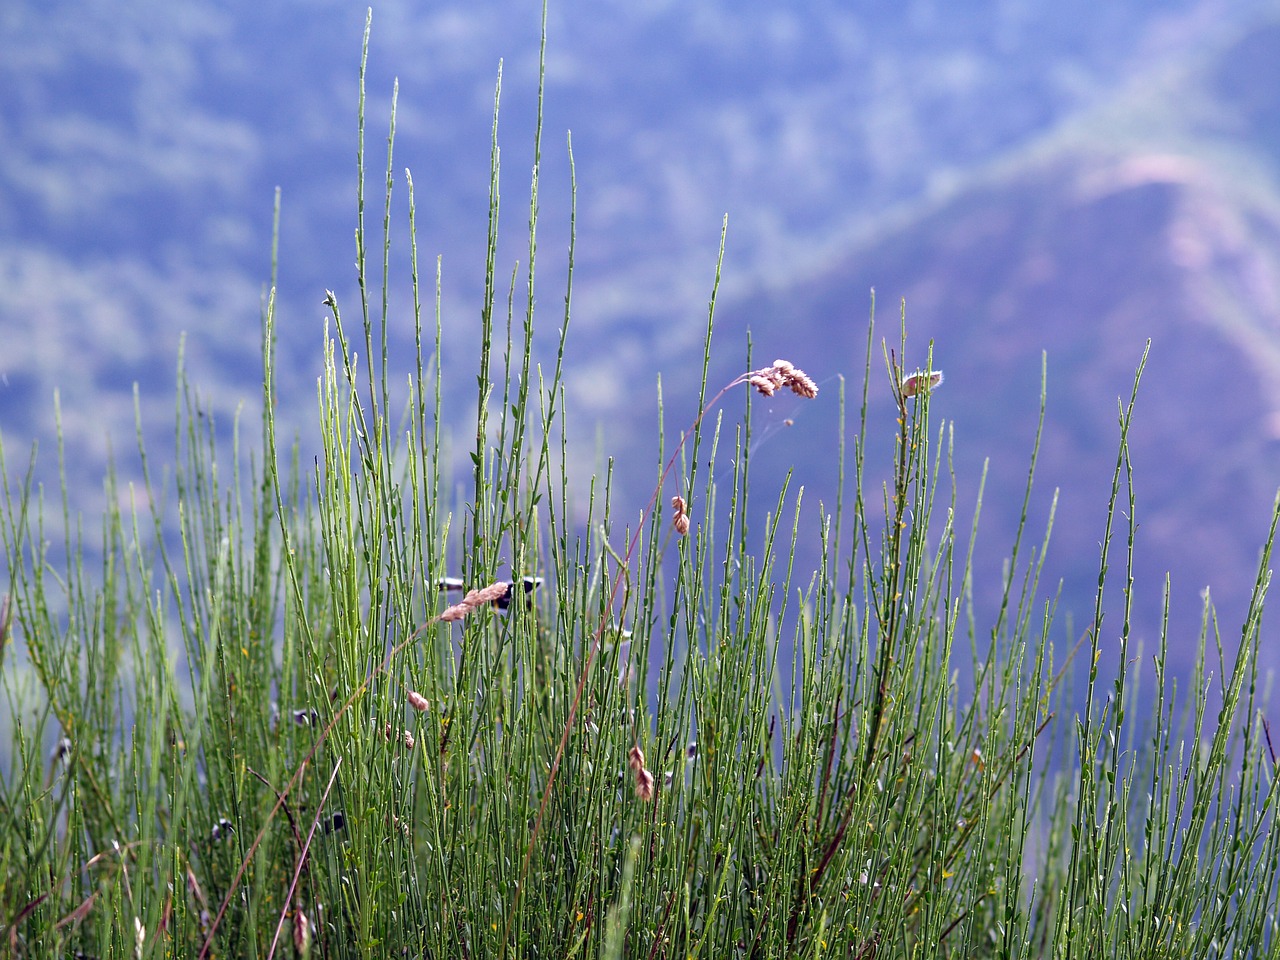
[(476, 598), (680, 515), (922, 381), (494, 591), (644, 785), (769, 380), (417, 700), (456, 612), (644, 779), (635, 758), (801, 385)]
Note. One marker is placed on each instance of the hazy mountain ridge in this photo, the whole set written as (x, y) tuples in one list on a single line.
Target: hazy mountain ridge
[(1084, 250)]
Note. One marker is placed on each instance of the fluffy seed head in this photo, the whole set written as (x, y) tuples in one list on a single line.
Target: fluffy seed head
[(417, 700), (922, 381), (783, 373), (494, 591), (476, 598), (801, 385), (456, 612)]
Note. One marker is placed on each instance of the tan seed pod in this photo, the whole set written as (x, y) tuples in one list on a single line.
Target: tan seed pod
[(417, 701), (635, 758), (644, 785), (680, 515)]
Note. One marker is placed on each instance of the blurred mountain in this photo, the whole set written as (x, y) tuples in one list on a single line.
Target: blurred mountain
[(1154, 218), (1028, 179)]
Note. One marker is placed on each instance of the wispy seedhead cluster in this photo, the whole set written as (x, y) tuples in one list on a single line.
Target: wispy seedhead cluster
[(769, 380), (493, 593)]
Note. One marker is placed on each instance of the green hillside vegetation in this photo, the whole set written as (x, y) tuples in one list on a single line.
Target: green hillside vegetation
[(269, 726)]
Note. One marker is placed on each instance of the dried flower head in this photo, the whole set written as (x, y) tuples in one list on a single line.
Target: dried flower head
[(490, 594), (680, 515), (635, 758), (476, 598), (417, 700), (644, 785), (644, 779), (783, 373), (795, 379), (922, 381)]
